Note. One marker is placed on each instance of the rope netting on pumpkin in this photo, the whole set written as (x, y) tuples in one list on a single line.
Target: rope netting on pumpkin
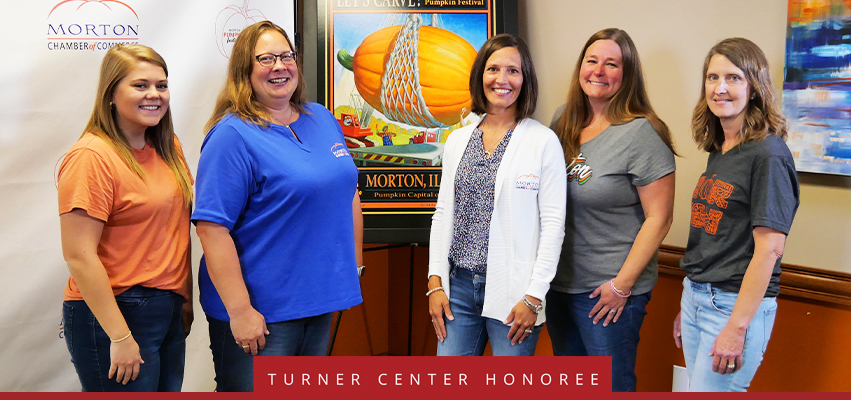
[(400, 84)]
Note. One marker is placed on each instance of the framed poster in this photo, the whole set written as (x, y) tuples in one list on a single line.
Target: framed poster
[(396, 75), (817, 85)]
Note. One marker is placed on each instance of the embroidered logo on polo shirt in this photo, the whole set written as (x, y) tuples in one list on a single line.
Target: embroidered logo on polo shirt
[(528, 182), (340, 150)]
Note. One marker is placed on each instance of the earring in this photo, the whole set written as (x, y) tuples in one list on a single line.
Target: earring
[(111, 105), (753, 95)]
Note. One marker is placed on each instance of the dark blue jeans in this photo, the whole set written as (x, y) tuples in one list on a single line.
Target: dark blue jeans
[(155, 318), (574, 334), (235, 368)]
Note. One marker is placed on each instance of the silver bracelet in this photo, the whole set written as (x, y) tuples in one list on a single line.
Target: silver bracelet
[(535, 308), (433, 290)]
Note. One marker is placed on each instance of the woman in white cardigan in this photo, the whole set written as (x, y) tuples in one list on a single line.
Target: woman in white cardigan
[(499, 222)]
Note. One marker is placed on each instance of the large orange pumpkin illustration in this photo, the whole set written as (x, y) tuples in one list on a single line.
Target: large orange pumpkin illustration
[(414, 74)]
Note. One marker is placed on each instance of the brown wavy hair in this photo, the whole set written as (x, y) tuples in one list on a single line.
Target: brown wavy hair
[(237, 96), (763, 116), (527, 100), (103, 123), (630, 102)]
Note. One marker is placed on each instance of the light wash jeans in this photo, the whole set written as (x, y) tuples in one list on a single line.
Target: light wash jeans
[(468, 334), (705, 312)]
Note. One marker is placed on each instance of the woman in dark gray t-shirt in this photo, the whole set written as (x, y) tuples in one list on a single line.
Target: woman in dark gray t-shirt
[(620, 199), (742, 210)]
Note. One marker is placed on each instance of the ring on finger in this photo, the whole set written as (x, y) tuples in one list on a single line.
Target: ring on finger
[(612, 311), (528, 331), (731, 365), (245, 346)]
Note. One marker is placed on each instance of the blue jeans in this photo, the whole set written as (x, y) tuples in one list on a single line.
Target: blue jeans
[(235, 368), (154, 317), (468, 334), (574, 334), (705, 311)]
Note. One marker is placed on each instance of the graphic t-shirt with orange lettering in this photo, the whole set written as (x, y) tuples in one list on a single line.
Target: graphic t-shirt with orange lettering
[(753, 184), (145, 238)]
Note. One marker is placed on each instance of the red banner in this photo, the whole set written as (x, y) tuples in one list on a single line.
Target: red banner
[(426, 377)]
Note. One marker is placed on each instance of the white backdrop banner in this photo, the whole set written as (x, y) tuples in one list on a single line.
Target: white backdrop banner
[(52, 51)]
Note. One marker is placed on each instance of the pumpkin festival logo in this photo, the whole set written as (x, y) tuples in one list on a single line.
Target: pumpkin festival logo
[(231, 21), (90, 25)]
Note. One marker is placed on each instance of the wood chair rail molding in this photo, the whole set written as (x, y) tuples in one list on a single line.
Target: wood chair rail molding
[(796, 281)]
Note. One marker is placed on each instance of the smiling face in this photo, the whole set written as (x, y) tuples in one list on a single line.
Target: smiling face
[(601, 72), (141, 98), (273, 86), (503, 80), (727, 90)]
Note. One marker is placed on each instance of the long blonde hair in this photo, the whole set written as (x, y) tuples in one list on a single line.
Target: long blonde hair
[(629, 103), (762, 116), (238, 96), (116, 64)]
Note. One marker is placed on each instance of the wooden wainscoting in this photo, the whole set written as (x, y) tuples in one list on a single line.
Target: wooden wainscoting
[(809, 348), (796, 281)]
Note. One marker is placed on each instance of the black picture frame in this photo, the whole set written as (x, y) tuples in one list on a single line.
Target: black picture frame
[(406, 225)]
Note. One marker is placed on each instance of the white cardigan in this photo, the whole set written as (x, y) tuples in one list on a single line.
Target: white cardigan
[(527, 224)]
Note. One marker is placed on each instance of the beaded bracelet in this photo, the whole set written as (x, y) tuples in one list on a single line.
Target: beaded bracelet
[(617, 292), (122, 339), (433, 290)]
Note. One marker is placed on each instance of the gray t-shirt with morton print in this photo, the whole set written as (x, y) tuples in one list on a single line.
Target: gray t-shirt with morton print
[(604, 211)]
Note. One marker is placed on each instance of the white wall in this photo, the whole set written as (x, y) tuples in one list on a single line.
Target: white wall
[(46, 97), (673, 37)]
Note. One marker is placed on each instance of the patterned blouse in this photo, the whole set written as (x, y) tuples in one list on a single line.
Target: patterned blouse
[(474, 197)]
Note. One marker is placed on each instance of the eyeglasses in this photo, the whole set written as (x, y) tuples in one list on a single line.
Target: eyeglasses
[(269, 59)]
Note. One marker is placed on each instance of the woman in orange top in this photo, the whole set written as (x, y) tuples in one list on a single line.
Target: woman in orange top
[(124, 198)]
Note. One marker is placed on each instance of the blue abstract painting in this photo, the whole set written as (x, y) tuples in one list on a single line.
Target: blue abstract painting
[(817, 85)]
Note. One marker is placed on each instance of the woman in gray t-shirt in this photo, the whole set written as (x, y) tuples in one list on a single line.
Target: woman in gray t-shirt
[(620, 196)]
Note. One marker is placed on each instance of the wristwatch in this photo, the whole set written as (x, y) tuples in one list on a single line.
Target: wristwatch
[(535, 308)]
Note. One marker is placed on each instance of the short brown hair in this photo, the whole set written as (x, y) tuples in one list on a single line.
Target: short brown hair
[(630, 102), (238, 96), (763, 116), (527, 100)]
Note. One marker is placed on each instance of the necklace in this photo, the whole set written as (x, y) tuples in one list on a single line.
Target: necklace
[(490, 150), (286, 121), (286, 124), (597, 124)]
